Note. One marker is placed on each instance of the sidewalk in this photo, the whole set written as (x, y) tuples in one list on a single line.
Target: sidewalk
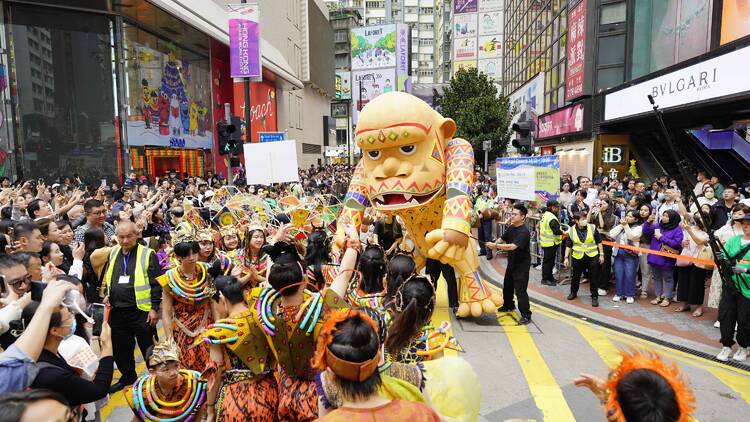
[(679, 330)]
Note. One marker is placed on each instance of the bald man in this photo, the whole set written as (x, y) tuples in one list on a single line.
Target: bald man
[(131, 289)]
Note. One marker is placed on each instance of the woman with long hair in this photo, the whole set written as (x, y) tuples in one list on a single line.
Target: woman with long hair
[(209, 253), (256, 262), (566, 196), (644, 213), (367, 288), (186, 306), (400, 268), (320, 267), (666, 237), (628, 232), (691, 279), (602, 216)]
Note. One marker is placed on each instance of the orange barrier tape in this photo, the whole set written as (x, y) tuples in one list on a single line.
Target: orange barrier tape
[(706, 262)]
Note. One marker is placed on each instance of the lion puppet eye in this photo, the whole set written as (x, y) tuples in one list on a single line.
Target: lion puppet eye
[(375, 154), (408, 149)]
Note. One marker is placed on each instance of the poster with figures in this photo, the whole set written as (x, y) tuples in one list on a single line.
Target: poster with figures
[(170, 111), (465, 25), (373, 47), (490, 22), (464, 64), (492, 68), (465, 49), (490, 47), (368, 84)]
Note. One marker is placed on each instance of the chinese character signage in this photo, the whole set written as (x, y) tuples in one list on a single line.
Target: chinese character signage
[(244, 41), (574, 79), (528, 178), (373, 47), (464, 6), (561, 122)]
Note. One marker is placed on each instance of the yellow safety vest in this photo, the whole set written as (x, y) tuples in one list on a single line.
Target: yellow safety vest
[(141, 283), (587, 247), (546, 237)]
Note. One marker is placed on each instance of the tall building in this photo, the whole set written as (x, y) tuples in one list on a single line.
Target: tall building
[(477, 37), (443, 41)]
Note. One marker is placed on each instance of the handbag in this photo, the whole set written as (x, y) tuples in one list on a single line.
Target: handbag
[(707, 254), (668, 249)]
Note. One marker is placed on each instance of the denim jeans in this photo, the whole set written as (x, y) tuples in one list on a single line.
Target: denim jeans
[(663, 281), (626, 271)]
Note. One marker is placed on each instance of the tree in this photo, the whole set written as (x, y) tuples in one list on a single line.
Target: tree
[(471, 99)]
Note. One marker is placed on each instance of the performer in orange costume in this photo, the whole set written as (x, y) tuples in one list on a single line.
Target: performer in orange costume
[(413, 167)]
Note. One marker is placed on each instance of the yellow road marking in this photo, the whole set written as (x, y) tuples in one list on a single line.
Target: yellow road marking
[(609, 353), (546, 392)]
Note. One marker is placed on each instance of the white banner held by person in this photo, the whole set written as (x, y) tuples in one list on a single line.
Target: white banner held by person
[(271, 162)]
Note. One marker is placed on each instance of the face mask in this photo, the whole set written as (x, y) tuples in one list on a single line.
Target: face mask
[(72, 329), (709, 195)]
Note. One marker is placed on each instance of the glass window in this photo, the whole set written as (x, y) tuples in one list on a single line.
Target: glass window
[(607, 78), (612, 50), (612, 13), (66, 125)]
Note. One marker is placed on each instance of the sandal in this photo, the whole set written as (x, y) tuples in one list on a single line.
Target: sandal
[(644, 295), (698, 313), (682, 308), (656, 300), (664, 303)]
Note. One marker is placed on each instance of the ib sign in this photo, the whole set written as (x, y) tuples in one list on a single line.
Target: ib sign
[(613, 154)]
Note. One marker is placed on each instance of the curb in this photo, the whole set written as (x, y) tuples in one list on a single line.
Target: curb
[(673, 342)]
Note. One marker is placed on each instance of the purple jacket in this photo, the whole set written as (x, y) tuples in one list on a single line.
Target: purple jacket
[(672, 238)]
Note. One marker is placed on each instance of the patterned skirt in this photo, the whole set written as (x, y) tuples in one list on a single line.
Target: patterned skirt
[(190, 321), (244, 398), (298, 398)]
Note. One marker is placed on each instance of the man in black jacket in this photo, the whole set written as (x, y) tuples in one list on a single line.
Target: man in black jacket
[(721, 211)]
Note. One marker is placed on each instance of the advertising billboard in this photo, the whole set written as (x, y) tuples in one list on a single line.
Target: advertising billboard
[(373, 47), (528, 178), (465, 49), (574, 79), (403, 34), (464, 64), (529, 96), (490, 47), (368, 84), (561, 122), (343, 85), (263, 107), (244, 41), (491, 22), (464, 6), (735, 20), (492, 68), (465, 25), (485, 5)]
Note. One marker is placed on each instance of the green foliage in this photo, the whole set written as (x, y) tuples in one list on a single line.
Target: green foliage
[(359, 44), (387, 42), (471, 99)]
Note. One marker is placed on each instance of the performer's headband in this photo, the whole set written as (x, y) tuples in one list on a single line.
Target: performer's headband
[(352, 371)]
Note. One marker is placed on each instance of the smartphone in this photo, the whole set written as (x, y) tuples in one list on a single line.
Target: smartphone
[(97, 313), (37, 289), (11, 233)]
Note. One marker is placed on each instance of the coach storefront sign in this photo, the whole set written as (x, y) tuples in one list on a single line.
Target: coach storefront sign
[(571, 120), (721, 76)]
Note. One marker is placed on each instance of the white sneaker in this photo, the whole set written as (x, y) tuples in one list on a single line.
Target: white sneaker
[(717, 324), (724, 354), (602, 292), (615, 298), (630, 300), (554, 270), (741, 354)]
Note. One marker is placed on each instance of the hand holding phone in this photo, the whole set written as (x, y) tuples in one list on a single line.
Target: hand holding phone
[(97, 313)]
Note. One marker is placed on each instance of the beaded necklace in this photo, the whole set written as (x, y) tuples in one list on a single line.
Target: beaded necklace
[(150, 407), (264, 308), (191, 293)]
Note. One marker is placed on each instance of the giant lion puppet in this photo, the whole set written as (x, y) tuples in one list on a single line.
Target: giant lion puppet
[(412, 166)]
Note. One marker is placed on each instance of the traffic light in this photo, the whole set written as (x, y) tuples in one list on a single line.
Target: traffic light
[(236, 136), (524, 141), (227, 141)]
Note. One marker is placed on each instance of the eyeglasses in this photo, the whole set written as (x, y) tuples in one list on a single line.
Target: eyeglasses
[(17, 282)]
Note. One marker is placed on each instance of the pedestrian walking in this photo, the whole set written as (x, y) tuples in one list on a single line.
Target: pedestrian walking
[(585, 247), (550, 238)]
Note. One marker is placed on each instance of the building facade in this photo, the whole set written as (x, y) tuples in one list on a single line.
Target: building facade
[(99, 89), (477, 37)]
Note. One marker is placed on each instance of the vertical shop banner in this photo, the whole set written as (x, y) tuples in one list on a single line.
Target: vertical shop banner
[(263, 107), (403, 33), (244, 41), (174, 108), (735, 20), (465, 25), (491, 22), (464, 6), (465, 49), (343, 85), (528, 178), (373, 47), (368, 85), (574, 79), (490, 46)]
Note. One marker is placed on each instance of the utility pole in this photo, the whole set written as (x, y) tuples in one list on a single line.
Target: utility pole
[(228, 120), (248, 114)]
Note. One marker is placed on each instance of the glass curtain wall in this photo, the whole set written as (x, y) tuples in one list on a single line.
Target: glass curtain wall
[(64, 93)]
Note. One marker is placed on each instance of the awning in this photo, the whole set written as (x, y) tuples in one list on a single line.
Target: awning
[(211, 19)]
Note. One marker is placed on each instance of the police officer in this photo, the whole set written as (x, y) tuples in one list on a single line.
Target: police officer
[(550, 237), (584, 244), (134, 297)]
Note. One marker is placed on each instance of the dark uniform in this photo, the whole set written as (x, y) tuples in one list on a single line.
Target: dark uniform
[(517, 272)]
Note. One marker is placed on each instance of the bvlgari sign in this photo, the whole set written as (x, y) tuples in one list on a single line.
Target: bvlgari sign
[(718, 77)]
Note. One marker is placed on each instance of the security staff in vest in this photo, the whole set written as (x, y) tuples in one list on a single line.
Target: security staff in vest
[(516, 241), (550, 237), (134, 297), (584, 243)]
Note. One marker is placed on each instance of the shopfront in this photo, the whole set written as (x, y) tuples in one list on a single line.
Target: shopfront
[(566, 132)]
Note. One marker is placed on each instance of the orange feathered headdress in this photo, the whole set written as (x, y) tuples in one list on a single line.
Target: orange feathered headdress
[(324, 358), (651, 361)]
